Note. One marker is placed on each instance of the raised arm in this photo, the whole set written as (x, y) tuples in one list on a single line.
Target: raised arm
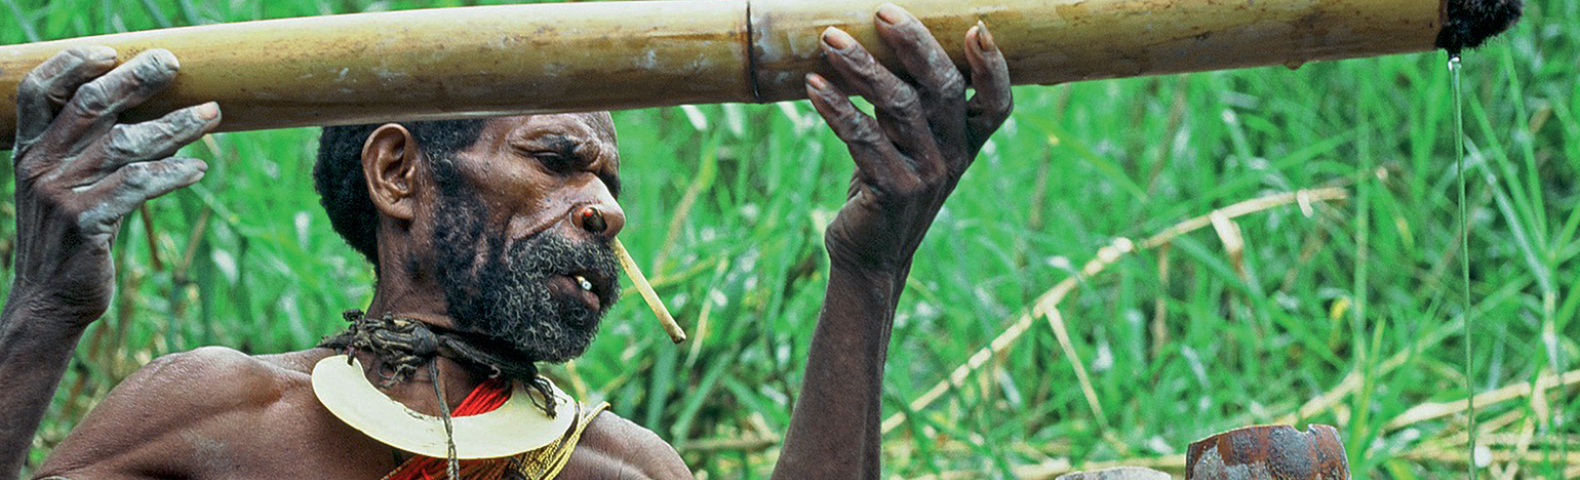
[(908, 160), (78, 172)]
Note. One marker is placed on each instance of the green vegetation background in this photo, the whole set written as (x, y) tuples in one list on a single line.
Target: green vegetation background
[(726, 206)]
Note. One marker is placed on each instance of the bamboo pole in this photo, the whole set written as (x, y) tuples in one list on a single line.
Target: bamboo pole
[(433, 64), (498, 60), (1047, 42)]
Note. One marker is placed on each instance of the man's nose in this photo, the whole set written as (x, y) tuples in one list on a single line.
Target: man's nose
[(605, 219)]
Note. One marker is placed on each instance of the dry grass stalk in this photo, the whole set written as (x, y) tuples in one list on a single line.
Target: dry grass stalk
[(1491, 426), (1486, 432), (1105, 256), (1521, 446), (1233, 240), (1160, 330), (1542, 411), (1498, 456), (1056, 321), (193, 240), (152, 237), (1352, 381), (1433, 410), (1571, 442), (961, 373), (678, 217)]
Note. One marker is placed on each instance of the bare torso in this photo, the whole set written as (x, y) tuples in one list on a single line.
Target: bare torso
[(217, 413)]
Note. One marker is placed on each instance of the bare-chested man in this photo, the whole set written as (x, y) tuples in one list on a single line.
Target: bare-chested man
[(491, 244)]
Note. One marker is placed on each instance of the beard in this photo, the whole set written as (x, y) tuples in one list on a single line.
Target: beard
[(503, 290)]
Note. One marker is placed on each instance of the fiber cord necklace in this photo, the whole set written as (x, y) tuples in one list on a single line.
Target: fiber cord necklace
[(453, 469), (404, 345)]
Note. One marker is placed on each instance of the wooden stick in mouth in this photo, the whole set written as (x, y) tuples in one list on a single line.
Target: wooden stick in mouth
[(673, 329)]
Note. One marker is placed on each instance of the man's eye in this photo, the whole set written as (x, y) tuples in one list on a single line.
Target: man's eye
[(552, 160)]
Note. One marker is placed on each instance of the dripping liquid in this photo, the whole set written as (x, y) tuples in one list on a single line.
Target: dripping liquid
[(1454, 68)]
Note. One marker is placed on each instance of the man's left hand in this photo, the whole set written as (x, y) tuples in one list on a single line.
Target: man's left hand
[(925, 134)]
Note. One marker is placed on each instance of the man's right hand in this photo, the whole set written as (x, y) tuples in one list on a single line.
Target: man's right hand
[(79, 171)]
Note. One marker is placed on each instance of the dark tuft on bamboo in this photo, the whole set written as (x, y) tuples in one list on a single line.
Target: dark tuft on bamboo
[(1473, 22)]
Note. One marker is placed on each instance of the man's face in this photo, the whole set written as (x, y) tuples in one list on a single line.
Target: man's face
[(510, 244)]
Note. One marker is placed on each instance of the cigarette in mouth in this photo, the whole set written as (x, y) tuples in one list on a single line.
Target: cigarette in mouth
[(670, 327)]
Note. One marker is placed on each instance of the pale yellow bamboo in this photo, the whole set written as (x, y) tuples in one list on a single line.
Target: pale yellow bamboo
[(483, 61), (436, 64), (1056, 41)]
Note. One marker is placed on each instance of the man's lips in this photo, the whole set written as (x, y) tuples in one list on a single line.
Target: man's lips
[(568, 285), (588, 287)]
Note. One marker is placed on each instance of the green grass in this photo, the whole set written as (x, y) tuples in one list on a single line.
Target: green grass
[(1367, 285)]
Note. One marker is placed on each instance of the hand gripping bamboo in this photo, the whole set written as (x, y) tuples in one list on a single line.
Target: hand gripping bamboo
[(498, 60)]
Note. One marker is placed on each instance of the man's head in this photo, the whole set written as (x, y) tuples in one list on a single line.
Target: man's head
[(494, 219)]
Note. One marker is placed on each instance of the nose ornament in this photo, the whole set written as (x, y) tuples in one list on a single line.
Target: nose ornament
[(593, 221)]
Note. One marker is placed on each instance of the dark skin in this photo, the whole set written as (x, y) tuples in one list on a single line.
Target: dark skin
[(219, 413)]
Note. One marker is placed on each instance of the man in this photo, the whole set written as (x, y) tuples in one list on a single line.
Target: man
[(491, 244)]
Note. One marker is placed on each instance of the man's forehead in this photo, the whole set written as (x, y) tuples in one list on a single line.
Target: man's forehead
[(594, 125)]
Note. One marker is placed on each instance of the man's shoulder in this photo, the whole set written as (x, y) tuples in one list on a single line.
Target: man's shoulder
[(218, 376), (199, 392), (613, 443)]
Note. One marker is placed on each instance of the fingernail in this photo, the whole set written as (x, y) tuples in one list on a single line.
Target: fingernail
[(201, 166), (985, 38), (167, 59), (208, 111), (816, 81), (838, 39), (100, 53), (891, 14)]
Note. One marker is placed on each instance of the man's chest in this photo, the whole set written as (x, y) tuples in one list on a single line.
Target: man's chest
[(584, 465), (334, 451)]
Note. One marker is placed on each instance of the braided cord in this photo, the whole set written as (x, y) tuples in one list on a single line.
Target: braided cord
[(404, 345), (454, 469)]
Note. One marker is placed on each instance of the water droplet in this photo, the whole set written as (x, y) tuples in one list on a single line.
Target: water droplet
[(1483, 456)]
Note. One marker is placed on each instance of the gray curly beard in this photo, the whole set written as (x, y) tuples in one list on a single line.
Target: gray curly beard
[(504, 293)]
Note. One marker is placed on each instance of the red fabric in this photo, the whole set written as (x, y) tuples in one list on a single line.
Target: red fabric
[(488, 396)]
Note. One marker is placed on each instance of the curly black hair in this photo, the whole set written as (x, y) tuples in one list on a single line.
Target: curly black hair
[(343, 190)]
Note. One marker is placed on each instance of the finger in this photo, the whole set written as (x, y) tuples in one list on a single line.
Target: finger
[(97, 105), (990, 76), (45, 89), (151, 140), (897, 105), (131, 185), (937, 79), (877, 161)]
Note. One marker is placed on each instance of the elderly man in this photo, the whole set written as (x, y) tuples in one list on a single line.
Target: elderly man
[(491, 241)]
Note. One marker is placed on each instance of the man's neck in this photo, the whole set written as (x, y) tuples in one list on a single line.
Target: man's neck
[(411, 298), (407, 298)]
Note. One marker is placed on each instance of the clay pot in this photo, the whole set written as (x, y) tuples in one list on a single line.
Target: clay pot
[(1269, 452)]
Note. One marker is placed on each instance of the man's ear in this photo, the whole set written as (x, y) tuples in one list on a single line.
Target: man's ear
[(390, 165)]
